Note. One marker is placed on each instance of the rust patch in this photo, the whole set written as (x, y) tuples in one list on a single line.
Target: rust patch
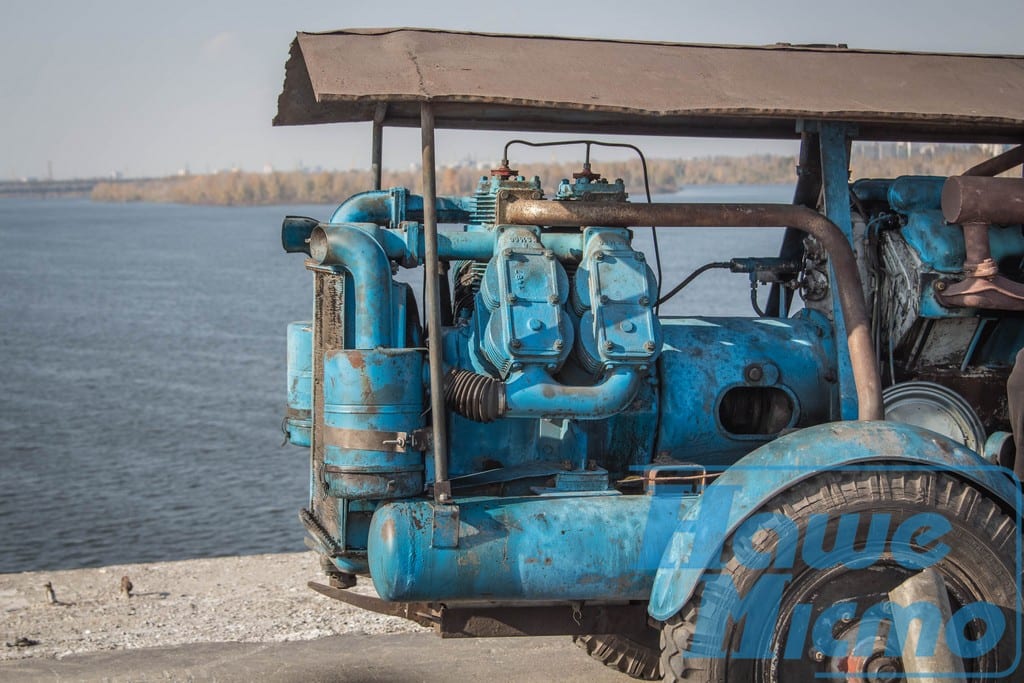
[(387, 532)]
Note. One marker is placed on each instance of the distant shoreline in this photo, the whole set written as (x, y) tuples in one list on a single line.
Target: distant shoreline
[(665, 176)]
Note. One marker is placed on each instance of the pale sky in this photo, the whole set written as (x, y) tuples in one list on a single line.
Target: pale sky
[(147, 88)]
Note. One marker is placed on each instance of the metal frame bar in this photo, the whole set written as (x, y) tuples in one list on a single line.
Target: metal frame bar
[(836, 139), (442, 487), (377, 148), (503, 621)]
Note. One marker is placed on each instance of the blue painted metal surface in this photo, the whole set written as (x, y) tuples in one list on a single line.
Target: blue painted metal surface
[(368, 283), (776, 466), (393, 206), (594, 389), (835, 176), (373, 402), (298, 420), (706, 358), (533, 393), (547, 548), (520, 316), (613, 298)]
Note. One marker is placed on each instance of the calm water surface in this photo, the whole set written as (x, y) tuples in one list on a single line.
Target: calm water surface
[(142, 373)]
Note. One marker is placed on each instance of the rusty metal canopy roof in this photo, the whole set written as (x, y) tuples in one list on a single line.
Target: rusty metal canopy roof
[(536, 83)]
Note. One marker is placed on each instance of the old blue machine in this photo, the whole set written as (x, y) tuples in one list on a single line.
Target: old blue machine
[(532, 455)]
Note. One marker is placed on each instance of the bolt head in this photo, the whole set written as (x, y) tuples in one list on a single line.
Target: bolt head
[(599, 256), (819, 656), (640, 256), (649, 346), (515, 343), (940, 286), (604, 299), (507, 253), (549, 255), (644, 301), (512, 298), (559, 344), (553, 299), (608, 346)]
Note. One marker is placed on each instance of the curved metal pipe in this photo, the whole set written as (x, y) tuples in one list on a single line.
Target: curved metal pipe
[(533, 393), (998, 164), (364, 259), (386, 207), (851, 295)]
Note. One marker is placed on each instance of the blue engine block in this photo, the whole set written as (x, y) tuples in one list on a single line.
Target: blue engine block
[(562, 382)]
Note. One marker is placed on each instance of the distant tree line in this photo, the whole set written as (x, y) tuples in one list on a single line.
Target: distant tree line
[(665, 176)]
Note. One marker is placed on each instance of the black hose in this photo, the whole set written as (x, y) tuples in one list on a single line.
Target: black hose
[(476, 397), (691, 277)]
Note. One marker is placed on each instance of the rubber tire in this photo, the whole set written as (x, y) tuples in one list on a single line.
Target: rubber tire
[(639, 659), (979, 526)]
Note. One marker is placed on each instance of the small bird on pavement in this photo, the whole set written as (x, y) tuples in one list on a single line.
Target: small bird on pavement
[(51, 597), (126, 586)]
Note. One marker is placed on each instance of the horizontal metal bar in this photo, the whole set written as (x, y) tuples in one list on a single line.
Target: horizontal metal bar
[(413, 611), (502, 621), (561, 620)]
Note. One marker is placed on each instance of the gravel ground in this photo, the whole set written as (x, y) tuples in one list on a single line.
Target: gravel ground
[(258, 598)]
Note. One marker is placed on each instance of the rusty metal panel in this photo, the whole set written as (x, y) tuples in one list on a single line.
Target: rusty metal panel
[(510, 82)]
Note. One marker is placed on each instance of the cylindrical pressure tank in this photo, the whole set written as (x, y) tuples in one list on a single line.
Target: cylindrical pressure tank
[(596, 547), (298, 420)]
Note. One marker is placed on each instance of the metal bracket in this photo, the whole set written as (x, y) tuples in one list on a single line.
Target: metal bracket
[(376, 440), (445, 526), (319, 534), (577, 619), (420, 612)]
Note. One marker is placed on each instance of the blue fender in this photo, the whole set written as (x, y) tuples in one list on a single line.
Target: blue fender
[(746, 486)]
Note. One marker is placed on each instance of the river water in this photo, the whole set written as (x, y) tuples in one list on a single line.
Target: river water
[(142, 373)]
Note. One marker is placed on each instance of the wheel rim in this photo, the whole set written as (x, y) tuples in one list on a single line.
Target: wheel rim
[(865, 588)]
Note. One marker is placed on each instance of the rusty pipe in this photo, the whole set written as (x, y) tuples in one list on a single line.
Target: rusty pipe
[(976, 202), (432, 296), (377, 143), (998, 164), (977, 199), (851, 295)]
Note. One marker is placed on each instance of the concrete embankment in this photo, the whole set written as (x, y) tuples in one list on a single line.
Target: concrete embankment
[(252, 599), (243, 619)]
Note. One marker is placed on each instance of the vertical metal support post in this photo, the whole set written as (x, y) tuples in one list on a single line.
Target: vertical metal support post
[(835, 175), (442, 487), (377, 149)]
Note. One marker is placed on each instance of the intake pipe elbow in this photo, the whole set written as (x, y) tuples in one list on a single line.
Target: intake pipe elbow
[(534, 394), (366, 262), (391, 207)]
